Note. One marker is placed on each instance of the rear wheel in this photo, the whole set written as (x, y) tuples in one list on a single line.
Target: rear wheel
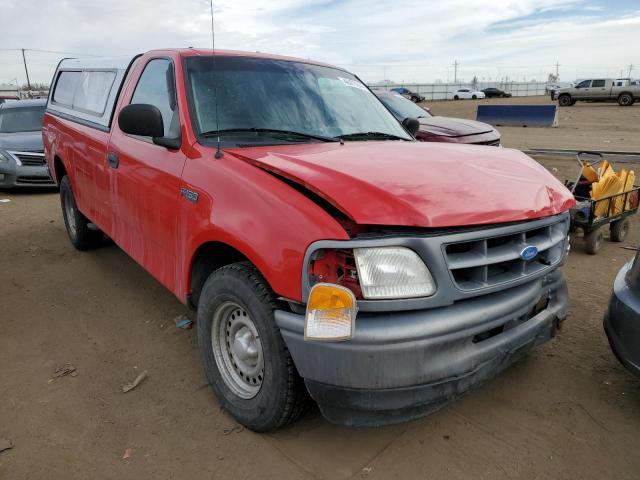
[(456, 97), (81, 235), (474, 97), (244, 356), (565, 101), (625, 100), (593, 241), (619, 230)]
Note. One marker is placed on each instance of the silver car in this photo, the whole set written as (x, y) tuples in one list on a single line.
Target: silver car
[(22, 162)]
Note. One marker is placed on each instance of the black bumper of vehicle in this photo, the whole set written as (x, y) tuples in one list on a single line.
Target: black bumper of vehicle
[(622, 323), (403, 365)]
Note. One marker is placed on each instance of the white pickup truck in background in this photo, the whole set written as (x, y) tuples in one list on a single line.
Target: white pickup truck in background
[(624, 91)]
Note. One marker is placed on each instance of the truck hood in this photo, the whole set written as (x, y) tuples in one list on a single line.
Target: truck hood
[(453, 127), (21, 141), (418, 184)]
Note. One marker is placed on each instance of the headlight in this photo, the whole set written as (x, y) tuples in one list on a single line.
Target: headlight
[(4, 157), (392, 272)]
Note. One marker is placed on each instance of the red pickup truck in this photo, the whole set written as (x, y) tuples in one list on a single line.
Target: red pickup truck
[(328, 253)]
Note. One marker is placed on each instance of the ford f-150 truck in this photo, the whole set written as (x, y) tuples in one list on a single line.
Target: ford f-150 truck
[(328, 253), (623, 91)]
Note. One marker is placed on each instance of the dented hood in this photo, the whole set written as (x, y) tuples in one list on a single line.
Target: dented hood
[(418, 184)]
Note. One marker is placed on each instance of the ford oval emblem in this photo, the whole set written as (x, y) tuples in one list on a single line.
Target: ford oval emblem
[(529, 253)]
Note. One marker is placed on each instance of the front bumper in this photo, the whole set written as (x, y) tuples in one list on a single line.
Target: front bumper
[(402, 365), (14, 175), (622, 323)]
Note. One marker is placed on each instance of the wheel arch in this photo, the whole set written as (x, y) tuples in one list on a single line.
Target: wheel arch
[(59, 169), (208, 257)]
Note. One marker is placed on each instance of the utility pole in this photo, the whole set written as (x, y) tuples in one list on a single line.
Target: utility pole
[(557, 67), (630, 68), (455, 71), (26, 71)]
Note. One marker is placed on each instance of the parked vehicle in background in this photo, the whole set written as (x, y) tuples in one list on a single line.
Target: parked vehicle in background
[(8, 98), (405, 92), (283, 201), (439, 129), (467, 93), (622, 319), (493, 92), (22, 162), (622, 91)]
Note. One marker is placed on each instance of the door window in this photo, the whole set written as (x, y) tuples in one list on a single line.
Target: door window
[(598, 83), (584, 84), (157, 87)]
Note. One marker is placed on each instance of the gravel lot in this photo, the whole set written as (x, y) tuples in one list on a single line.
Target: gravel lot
[(567, 411), (585, 126)]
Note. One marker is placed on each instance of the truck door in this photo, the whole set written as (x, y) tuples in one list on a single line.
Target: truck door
[(600, 90), (145, 181), (582, 90)]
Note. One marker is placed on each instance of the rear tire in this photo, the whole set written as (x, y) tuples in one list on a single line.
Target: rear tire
[(456, 97), (244, 356), (474, 97), (625, 100), (565, 101), (593, 241), (82, 237), (619, 230)]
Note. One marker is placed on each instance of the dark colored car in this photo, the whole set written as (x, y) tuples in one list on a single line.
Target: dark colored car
[(440, 129), (622, 319), (22, 162), (405, 92), (492, 92)]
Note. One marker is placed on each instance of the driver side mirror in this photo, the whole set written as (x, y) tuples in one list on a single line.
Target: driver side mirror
[(145, 120), (412, 125)]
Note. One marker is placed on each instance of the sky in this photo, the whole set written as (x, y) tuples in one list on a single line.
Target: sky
[(402, 41)]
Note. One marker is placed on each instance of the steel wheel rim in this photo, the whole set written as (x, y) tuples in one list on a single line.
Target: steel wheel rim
[(69, 212), (237, 350)]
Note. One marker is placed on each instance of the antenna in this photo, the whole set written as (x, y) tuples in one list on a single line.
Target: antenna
[(219, 152)]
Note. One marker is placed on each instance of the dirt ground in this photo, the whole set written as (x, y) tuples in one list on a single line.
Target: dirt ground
[(568, 411), (585, 126)]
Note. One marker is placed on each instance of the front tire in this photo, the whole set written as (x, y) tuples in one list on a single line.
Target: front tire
[(244, 356), (82, 237), (565, 101), (456, 97), (619, 230), (474, 97)]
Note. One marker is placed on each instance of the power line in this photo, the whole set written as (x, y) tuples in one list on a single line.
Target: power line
[(57, 52)]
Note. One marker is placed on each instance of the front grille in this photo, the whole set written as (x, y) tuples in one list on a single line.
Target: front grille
[(33, 180), (494, 260), (490, 143), (30, 159)]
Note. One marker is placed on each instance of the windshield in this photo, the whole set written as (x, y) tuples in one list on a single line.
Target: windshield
[(23, 119), (266, 96), (403, 108)]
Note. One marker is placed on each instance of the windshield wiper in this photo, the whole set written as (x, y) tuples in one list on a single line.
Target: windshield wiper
[(215, 133), (370, 135)]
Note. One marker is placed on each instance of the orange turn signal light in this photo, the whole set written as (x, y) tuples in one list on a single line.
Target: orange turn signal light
[(331, 313)]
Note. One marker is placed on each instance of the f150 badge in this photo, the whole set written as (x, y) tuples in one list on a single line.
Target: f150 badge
[(189, 194)]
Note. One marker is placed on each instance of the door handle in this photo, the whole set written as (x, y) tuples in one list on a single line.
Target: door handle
[(113, 159)]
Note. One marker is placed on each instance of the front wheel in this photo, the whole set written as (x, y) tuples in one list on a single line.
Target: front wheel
[(81, 235), (619, 230), (456, 97), (474, 97), (245, 358), (565, 101)]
